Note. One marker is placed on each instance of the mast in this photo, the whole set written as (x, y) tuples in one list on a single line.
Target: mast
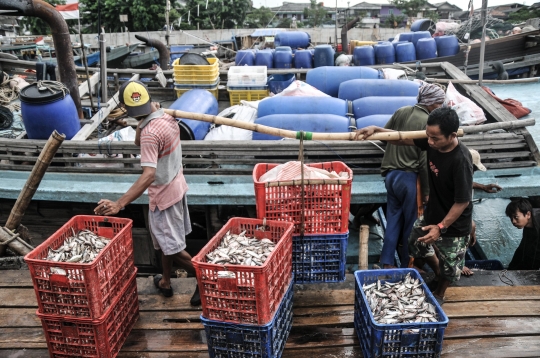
[(167, 12), (483, 20)]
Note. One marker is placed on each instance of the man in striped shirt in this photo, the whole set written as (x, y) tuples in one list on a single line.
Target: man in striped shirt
[(158, 135)]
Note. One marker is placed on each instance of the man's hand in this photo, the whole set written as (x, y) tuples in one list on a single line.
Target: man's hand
[(107, 207), (491, 188), (433, 234), (366, 132)]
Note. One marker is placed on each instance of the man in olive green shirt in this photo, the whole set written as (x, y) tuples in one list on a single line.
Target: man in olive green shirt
[(401, 165)]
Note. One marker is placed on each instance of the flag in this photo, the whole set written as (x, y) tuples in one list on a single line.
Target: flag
[(69, 11)]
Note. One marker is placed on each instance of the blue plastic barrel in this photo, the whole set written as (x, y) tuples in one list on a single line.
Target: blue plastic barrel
[(405, 52), (384, 53), (423, 25), (420, 35), (406, 36), (397, 43), (264, 58), (293, 39), (447, 45), (327, 79), (196, 101), (277, 83), (426, 49), (283, 59), (364, 56), (244, 58), (303, 59), (45, 111), (324, 56), (284, 49), (367, 106), (378, 120), (302, 105), (354, 89), (326, 123)]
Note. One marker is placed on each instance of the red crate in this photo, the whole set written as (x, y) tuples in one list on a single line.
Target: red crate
[(87, 290), (253, 293), (326, 206), (103, 338)]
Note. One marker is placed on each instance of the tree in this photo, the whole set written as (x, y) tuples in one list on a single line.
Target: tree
[(410, 7), (393, 21), (37, 26), (315, 14), (219, 14), (523, 14), (259, 17)]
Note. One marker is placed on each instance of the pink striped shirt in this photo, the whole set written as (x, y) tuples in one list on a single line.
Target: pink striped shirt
[(161, 149)]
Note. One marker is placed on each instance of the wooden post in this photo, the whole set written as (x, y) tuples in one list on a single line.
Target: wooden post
[(363, 248)]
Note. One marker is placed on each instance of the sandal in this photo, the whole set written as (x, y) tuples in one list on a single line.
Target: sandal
[(167, 292)]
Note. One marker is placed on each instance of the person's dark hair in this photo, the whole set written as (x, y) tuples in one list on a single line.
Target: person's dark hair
[(521, 205), (446, 118)]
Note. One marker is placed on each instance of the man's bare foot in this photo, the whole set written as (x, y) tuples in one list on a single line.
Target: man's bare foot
[(467, 271)]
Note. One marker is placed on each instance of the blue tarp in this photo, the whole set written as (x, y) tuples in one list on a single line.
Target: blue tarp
[(266, 32)]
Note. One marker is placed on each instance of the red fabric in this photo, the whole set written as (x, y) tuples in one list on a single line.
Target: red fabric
[(68, 7), (513, 106)]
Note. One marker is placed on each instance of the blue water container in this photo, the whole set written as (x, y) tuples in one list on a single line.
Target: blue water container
[(303, 59), (283, 59), (264, 58), (324, 56), (196, 101), (327, 79), (447, 45), (325, 123), (367, 106), (420, 35), (405, 52), (284, 49), (384, 53), (364, 56), (244, 58), (293, 39), (302, 105), (277, 83), (45, 111), (176, 52), (397, 43), (378, 120), (354, 89), (426, 49), (406, 36), (423, 25)]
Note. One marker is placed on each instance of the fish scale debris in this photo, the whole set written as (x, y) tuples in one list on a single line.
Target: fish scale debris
[(241, 250), (83, 247), (399, 302)]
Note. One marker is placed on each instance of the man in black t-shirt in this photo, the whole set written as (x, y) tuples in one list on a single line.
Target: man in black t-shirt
[(523, 216), (448, 216)]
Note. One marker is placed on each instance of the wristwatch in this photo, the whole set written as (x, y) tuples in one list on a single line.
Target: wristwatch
[(442, 228)]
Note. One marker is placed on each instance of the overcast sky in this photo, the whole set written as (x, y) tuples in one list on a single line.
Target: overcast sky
[(343, 3)]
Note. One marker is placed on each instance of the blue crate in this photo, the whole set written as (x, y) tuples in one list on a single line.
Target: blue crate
[(227, 340), (484, 264), (395, 340), (319, 258)]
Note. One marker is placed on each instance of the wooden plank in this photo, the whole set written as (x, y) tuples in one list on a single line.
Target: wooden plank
[(87, 129), (83, 88), (499, 347)]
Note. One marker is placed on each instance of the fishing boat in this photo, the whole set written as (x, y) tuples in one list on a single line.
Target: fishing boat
[(115, 56)]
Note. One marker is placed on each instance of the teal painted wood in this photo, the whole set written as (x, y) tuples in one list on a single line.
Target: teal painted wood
[(234, 189)]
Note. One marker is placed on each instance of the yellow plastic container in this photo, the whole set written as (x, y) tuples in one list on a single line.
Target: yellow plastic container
[(214, 91), (235, 96), (200, 79), (356, 43), (193, 70)]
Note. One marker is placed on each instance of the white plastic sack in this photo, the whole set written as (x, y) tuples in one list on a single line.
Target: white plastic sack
[(446, 26), (241, 113), (126, 134), (393, 74), (292, 171), (344, 60), (468, 112), (301, 89)]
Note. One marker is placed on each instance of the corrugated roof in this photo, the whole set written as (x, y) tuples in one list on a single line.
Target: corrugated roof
[(266, 32)]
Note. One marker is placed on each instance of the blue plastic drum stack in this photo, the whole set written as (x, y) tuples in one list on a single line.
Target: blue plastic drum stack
[(196, 101), (324, 56), (328, 79), (264, 58), (293, 39), (384, 53), (245, 58), (364, 56), (426, 48), (447, 45), (283, 57), (303, 59), (405, 52), (406, 36), (419, 35)]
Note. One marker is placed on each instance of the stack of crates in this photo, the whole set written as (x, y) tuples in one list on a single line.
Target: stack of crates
[(247, 310), (87, 310), (320, 254), (247, 83), (188, 77)]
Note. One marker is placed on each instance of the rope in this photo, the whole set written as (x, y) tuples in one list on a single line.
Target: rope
[(302, 207), (53, 87), (7, 94), (505, 279)]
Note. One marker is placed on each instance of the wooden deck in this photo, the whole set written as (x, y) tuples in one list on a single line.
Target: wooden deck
[(494, 321)]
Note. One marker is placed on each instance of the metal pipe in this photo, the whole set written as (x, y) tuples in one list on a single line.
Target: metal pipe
[(344, 30), (103, 66), (336, 25), (61, 39), (163, 51), (483, 42)]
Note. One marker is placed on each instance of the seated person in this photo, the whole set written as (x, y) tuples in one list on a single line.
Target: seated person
[(523, 216)]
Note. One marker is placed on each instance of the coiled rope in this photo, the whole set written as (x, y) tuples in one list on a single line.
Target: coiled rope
[(7, 94), (53, 87)]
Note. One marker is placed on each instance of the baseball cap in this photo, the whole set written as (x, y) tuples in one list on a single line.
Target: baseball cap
[(476, 160), (135, 97)]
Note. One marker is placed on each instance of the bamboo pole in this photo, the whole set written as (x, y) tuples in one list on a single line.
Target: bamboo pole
[(473, 82), (499, 125), (363, 248), (387, 136), (30, 187)]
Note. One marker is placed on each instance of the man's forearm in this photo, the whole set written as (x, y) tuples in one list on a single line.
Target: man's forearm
[(137, 189), (455, 211)]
